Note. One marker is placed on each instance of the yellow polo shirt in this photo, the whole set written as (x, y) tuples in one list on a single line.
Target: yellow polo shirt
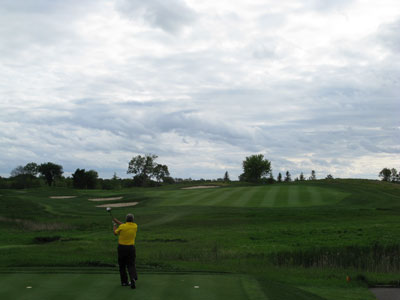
[(127, 233)]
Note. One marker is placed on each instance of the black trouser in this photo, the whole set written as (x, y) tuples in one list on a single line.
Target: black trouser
[(127, 260)]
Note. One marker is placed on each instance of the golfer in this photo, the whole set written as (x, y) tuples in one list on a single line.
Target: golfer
[(126, 250)]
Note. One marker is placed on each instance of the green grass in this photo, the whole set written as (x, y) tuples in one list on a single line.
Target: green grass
[(260, 196), (232, 229), (150, 286)]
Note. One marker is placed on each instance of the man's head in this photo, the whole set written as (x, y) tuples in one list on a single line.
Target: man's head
[(129, 217)]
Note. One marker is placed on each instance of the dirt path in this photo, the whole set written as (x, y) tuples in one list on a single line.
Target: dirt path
[(386, 293)]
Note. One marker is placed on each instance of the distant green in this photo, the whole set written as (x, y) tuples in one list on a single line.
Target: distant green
[(256, 196)]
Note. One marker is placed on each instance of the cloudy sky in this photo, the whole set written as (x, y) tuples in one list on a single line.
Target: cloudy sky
[(311, 84)]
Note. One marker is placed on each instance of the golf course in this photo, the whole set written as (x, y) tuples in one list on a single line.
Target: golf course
[(321, 239)]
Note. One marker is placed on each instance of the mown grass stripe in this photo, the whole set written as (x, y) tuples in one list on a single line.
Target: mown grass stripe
[(293, 196), (233, 197), (200, 196), (224, 193), (282, 195), (270, 196), (315, 196), (305, 196), (258, 197), (178, 197), (245, 198), (281, 199)]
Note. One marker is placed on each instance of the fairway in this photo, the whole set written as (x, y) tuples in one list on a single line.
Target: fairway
[(149, 287), (260, 196)]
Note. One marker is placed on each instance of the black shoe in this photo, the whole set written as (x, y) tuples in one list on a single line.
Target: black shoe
[(133, 284), (126, 284)]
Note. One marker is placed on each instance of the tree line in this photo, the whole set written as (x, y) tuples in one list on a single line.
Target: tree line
[(390, 175), (257, 169), (147, 172)]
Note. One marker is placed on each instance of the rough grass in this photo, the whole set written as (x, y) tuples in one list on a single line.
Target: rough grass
[(34, 226), (373, 258)]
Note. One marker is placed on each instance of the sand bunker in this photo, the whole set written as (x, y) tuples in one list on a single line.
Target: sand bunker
[(200, 187), (105, 199), (62, 197), (118, 204)]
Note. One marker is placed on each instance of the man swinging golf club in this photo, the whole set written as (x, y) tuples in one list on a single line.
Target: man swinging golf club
[(126, 249)]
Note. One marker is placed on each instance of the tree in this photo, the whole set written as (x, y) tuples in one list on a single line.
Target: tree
[(385, 174), (394, 174), (312, 177), (160, 172), (19, 170), (142, 165), (329, 176), (279, 178), (271, 179), (396, 177), (84, 180), (50, 172), (226, 177), (78, 179), (31, 169), (145, 168), (168, 180), (302, 178), (255, 167), (288, 177), (91, 177)]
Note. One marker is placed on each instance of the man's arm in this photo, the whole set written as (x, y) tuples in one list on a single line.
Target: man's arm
[(117, 221), (115, 228)]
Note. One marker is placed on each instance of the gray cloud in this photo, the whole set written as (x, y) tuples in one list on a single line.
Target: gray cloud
[(389, 36), (170, 16)]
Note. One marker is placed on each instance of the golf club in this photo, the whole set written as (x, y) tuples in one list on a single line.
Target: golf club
[(109, 211)]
